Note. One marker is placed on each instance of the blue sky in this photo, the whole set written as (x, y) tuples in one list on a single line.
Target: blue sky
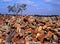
[(43, 7)]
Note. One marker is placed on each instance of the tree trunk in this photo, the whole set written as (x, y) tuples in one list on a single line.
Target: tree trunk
[(16, 13), (21, 12)]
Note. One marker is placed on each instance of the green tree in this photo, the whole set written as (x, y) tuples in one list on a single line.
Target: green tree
[(16, 8), (23, 7)]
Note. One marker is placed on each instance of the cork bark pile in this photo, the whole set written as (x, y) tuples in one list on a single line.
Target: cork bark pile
[(29, 29)]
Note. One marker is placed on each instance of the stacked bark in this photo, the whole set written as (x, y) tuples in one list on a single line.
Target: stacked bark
[(29, 29)]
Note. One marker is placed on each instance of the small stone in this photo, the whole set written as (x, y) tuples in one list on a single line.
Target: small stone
[(4, 28), (55, 37)]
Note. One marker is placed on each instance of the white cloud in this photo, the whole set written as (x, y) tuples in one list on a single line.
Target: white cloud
[(57, 2), (28, 2), (47, 0), (7, 0)]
